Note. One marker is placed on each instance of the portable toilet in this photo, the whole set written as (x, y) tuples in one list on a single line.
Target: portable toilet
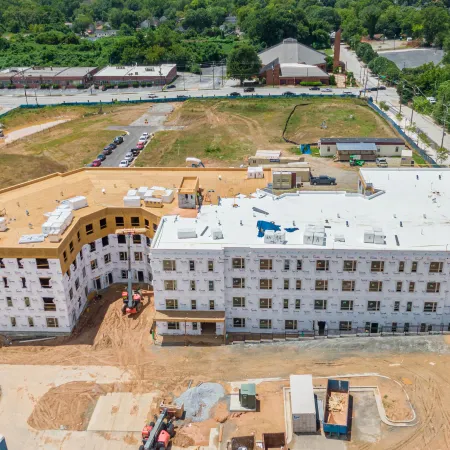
[(247, 395)]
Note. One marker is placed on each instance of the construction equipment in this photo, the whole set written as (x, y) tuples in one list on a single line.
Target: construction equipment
[(194, 162), (132, 300), (355, 160), (156, 435)]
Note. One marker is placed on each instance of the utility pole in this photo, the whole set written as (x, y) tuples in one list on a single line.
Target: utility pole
[(378, 85), (401, 92), (443, 128), (412, 106), (213, 77)]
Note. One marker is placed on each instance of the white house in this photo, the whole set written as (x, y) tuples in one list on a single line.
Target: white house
[(379, 146)]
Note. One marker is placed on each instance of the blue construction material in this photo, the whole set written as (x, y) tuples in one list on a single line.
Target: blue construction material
[(263, 225), (305, 149), (291, 230)]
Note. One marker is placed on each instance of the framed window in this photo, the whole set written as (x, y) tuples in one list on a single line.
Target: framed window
[(265, 283), (13, 321), (94, 264), (24, 282), (348, 286), (5, 282), (238, 263), (135, 222), (192, 285), (65, 256), (409, 306), (19, 263), (436, 267), (9, 302), (105, 241), (2, 264), (290, 324), (71, 248), (148, 241), (375, 286), (286, 284), (320, 304), (45, 283), (299, 264), (414, 266), (83, 272), (120, 222), (123, 274), (138, 256), (401, 266), (121, 239), (173, 325), (78, 236), (377, 266), (238, 283), (92, 246), (412, 286), (346, 305), (154, 226), (27, 302), (430, 307), (171, 303), (71, 293), (77, 283), (210, 266), (396, 306), (212, 305), (321, 285), (433, 287), (238, 322), (373, 305), (74, 262), (298, 285), (103, 223), (265, 264), (193, 304), (265, 303), (194, 326), (349, 265), (285, 303), (297, 303), (345, 326), (239, 302), (406, 327), (123, 256), (286, 264), (170, 285), (169, 264), (137, 239), (146, 224), (30, 322), (394, 327), (81, 254), (265, 324), (322, 264), (192, 266), (210, 285), (52, 322), (107, 258), (89, 228), (398, 286)]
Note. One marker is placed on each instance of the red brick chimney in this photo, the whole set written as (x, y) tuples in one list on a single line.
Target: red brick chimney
[(337, 49)]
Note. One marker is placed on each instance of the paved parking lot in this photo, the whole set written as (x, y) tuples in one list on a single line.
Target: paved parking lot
[(414, 58)]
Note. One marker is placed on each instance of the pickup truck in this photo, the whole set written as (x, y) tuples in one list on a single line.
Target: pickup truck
[(322, 179), (381, 162)]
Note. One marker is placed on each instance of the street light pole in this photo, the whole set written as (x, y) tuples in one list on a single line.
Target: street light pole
[(443, 128)]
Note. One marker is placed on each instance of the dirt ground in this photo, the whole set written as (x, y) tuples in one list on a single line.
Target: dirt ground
[(420, 364)]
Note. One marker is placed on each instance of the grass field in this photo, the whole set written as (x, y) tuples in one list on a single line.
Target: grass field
[(226, 132), (61, 148)]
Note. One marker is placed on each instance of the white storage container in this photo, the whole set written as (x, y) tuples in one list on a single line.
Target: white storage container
[(303, 405), (132, 201)]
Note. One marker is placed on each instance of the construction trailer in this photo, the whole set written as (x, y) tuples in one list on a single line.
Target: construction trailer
[(274, 440), (407, 158), (303, 404), (284, 180), (336, 415), (364, 154), (272, 157)]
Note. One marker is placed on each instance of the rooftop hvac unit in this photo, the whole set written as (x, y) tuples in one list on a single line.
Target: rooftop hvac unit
[(374, 236), (141, 191), (187, 233), (216, 233), (132, 201), (315, 235), (132, 193), (150, 69), (274, 237)]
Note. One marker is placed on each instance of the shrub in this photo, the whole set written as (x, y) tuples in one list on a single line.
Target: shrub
[(135, 84), (80, 86), (212, 148), (123, 85), (11, 86), (56, 86), (44, 86), (310, 83), (2, 86), (332, 80)]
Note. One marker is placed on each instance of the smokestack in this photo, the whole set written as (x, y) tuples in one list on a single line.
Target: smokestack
[(337, 49)]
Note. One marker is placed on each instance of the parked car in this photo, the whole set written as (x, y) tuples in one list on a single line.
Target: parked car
[(314, 88), (118, 140), (348, 92), (182, 96), (143, 139), (322, 179), (110, 147), (135, 151), (327, 90), (107, 151), (124, 163), (101, 157), (381, 162), (234, 94), (140, 145), (289, 94), (96, 163), (89, 165), (152, 96), (382, 88), (171, 86), (128, 157), (145, 134), (431, 100), (249, 89), (373, 89)]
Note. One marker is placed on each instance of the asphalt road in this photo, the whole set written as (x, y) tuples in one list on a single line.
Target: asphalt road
[(129, 142)]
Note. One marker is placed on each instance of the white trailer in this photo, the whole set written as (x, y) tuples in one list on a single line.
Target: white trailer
[(303, 405)]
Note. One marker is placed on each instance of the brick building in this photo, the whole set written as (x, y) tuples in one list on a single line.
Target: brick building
[(162, 74)]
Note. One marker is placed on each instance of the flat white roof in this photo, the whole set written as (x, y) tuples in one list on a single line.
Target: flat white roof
[(138, 71), (411, 206), (302, 394)]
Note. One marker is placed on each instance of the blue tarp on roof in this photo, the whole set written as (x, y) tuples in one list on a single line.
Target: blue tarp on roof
[(263, 225)]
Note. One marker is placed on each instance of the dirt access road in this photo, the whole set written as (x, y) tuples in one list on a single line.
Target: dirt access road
[(122, 346)]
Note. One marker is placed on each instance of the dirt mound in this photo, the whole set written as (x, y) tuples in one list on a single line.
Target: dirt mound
[(220, 412), (194, 433)]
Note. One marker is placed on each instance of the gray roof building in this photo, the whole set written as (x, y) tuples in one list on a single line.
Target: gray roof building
[(295, 70), (353, 146), (290, 51)]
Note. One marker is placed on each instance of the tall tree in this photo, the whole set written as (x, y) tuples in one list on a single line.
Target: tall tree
[(243, 62), (370, 15)]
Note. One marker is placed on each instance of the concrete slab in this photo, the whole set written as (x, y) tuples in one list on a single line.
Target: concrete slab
[(235, 406), (121, 411)]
